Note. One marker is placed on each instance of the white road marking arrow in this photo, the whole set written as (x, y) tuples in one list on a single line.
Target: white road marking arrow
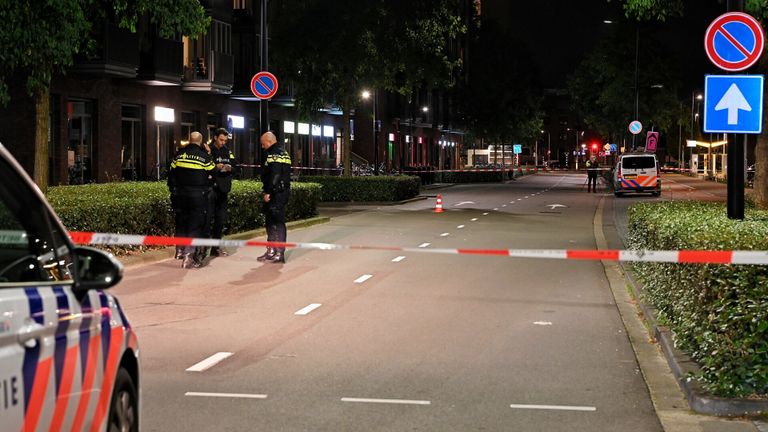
[(733, 101), (554, 206)]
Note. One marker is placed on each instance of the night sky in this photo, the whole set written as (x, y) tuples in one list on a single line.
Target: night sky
[(559, 33)]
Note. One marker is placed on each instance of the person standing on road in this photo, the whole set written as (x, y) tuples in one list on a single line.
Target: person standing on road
[(276, 180), (189, 184), (593, 168), (222, 176)]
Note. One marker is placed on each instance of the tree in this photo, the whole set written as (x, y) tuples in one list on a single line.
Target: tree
[(501, 102), (660, 10), (391, 45), (602, 88), (41, 38)]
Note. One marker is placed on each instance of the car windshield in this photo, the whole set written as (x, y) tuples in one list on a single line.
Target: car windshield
[(638, 162)]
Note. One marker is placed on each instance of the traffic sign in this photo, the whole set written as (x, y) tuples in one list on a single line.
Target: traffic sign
[(635, 127), (264, 85), (733, 104), (651, 142), (734, 41)]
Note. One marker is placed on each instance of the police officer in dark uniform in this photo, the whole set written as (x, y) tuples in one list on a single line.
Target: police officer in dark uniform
[(593, 168), (224, 160), (190, 184), (276, 180)]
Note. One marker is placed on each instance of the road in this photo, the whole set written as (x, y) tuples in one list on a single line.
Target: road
[(427, 342)]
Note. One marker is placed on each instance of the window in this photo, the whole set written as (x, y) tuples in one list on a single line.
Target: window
[(29, 250), (188, 122), (641, 162), (131, 155), (80, 131)]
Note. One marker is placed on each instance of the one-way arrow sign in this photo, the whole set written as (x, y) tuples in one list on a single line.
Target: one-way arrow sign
[(733, 104), (733, 101)]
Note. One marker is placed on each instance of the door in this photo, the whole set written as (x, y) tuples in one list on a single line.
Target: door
[(39, 315)]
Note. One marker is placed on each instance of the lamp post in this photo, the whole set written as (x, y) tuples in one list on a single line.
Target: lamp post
[(549, 146), (367, 95), (694, 97)]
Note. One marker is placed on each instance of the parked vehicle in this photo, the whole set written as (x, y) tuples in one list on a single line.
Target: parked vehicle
[(637, 173)]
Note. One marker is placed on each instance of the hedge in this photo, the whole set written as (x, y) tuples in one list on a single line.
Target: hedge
[(718, 313), (144, 207), (367, 188)]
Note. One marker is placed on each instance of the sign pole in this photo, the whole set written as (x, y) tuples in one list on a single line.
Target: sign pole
[(736, 151), (264, 63)]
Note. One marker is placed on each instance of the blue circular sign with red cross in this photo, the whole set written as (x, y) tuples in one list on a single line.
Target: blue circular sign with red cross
[(264, 85), (734, 41), (635, 127)]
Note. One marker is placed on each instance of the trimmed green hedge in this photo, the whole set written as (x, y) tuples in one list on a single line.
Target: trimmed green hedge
[(145, 208), (366, 189), (719, 313)]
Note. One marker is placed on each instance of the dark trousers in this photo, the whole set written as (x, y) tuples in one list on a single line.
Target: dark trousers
[(274, 212), (191, 208), (592, 182), (219, 213)]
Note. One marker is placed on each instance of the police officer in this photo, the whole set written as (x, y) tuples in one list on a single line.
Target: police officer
[(593, 168), (276, 180), (189, 183), (224, 160)]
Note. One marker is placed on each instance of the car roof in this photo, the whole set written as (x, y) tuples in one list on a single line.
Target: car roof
[(638, 155)]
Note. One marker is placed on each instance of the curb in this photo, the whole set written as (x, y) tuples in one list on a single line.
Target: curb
[(684, 366), (153, 256), (343, 204)]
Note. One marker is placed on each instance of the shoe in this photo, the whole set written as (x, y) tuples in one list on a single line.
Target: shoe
[(190, 262), (267, 255), (277, 258), (218, 252), (179, 253)]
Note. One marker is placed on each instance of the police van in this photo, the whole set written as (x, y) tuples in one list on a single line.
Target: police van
[(68, 356), (637, 172)]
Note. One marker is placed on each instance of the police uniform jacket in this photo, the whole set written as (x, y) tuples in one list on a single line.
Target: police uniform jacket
[(222, 179), (276, 175), (190, 171)]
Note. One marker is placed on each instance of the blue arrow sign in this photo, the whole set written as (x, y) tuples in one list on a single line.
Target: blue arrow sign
[(733, 104)]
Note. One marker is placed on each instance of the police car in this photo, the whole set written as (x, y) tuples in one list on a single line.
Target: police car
[(637, 172), (68, 357)]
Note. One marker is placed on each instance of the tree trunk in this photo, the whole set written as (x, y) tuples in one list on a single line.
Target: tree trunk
[(761, 172), (42, 105), (347, 142)]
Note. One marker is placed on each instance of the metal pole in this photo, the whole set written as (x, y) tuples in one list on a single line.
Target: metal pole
[(736, 148), (637, 73), (264, 64), (375, 141)]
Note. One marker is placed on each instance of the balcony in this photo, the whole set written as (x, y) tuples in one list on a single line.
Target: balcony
[(162, 62), (212, 74), (116, 54)]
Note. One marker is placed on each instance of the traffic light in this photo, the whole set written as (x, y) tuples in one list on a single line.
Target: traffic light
[(594, 147)]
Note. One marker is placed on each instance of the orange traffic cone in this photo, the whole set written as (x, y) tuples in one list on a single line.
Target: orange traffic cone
[(439, 205)]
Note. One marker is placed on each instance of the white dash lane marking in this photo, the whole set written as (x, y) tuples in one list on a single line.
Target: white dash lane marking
[(423, 245), (363, 278), (504, 205), (445, 234), (308, 309), (519, 199), (227, 395), (542, 323), (496, 209), (473, 220), (554, 407), (387, 401), (485, 214), (209, 362), (398, 259), (460, 227)]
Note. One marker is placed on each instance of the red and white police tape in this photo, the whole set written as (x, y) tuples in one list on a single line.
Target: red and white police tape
[(680, 257)]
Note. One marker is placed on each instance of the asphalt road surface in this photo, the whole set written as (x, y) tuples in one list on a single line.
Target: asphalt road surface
[(384, 341)]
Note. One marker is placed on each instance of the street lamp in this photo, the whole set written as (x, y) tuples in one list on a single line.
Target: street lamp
[(549, 145), (694, 117), (367, 95)]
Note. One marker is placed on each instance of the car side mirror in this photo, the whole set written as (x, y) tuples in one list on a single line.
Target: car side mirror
[(96, 269)]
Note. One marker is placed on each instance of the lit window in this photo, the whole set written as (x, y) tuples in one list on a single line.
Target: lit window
[(289, 127), (316, 130), (303, 128), (328, 131)]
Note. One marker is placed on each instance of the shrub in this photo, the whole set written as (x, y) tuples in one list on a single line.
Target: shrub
[(145, 208), (718, 313), (366, 189)]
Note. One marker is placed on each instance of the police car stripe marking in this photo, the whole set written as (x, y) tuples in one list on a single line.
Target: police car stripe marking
[(62, 400), (85, 335), (209, 362), (116, 344), (32, 355), (106, 334), (62, 306), (88, 383), (37, 399)]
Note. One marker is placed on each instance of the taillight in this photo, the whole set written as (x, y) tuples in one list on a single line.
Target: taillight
[(618, 173)]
